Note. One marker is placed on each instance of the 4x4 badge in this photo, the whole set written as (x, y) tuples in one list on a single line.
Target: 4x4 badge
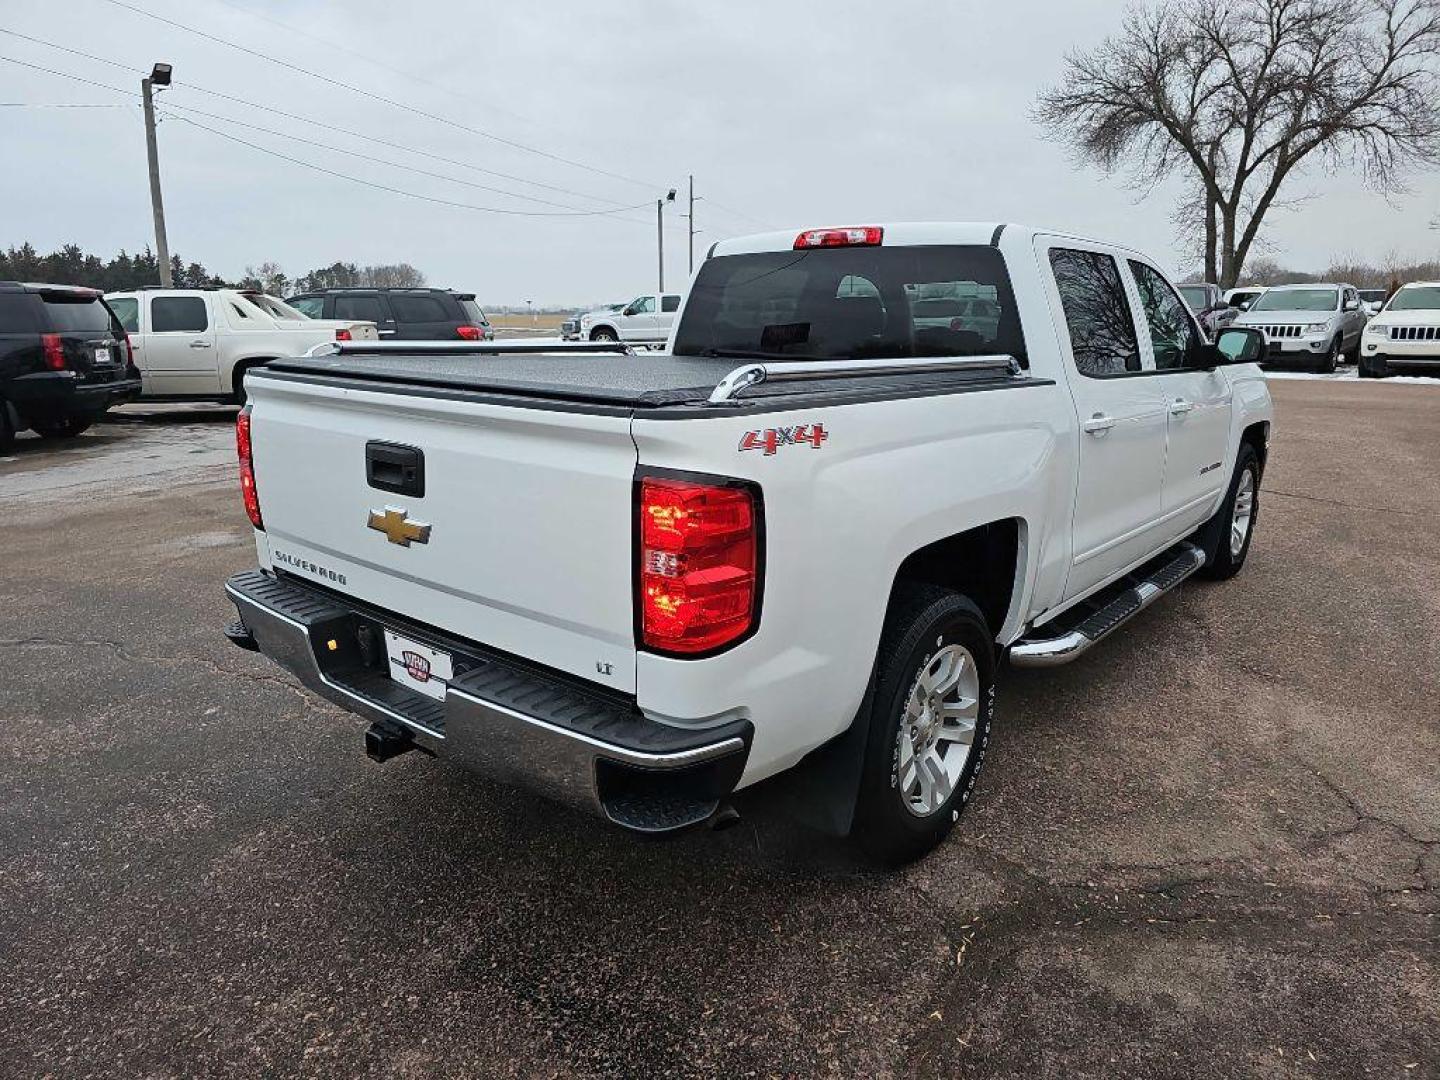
[(771, 439), (398, 528)]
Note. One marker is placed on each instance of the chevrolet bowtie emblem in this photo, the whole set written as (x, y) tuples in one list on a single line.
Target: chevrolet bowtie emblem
[(398, 528)]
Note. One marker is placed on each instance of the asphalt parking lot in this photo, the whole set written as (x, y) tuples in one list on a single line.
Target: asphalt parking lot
[(1210, 848)]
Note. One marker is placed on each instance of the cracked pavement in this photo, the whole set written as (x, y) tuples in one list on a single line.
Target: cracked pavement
[(1210, 848)]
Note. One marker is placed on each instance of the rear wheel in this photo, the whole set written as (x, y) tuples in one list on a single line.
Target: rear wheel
[(7, 428), (929, 723), (61, 427), (603, 333)]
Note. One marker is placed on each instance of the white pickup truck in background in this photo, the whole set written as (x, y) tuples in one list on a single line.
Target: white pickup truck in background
[(646, 320), (198, 343), (802, 543)]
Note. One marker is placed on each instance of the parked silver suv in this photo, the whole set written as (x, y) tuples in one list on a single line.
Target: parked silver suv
[(1313, 325)]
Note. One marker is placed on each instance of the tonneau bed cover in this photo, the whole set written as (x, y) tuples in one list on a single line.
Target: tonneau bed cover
[(641, 381)]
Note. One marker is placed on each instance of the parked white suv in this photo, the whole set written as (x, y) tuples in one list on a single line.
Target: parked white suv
[(801, 541), (1310, 324), (1406, 333), (645, 320), (198, 343)]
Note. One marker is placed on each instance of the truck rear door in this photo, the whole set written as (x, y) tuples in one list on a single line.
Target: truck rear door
[(506, 525)]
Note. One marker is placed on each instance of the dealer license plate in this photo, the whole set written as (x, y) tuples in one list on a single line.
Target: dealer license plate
[(418, 666)]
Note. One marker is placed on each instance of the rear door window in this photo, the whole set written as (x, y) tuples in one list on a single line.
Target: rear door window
[(419, 308), (76, 315), (669, 303), (17, 314), (367, 308), (1097, 312), (178, 314), (855, 303), (127, 310)]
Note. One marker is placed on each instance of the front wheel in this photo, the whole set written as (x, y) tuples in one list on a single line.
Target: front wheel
[(64, 427), (7, 428), (929, 723), (603, 333), (1331, 358), (1374, 367), (1233, 526)]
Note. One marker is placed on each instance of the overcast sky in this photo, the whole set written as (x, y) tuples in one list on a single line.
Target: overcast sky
[(788, 113)]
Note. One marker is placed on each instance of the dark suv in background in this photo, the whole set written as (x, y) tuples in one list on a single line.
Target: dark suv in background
[(64, 360), (411, 314)]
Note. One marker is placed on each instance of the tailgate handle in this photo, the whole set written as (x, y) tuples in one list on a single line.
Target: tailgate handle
[(392, 467)]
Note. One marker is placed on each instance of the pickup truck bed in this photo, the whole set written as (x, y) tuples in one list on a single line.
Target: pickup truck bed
[(647, 381)]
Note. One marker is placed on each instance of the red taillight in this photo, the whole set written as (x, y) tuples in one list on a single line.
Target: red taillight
[(342, 334), (861, 236), (699, 574), (129, 352), (247, 468), (470, 333), (54, 351)]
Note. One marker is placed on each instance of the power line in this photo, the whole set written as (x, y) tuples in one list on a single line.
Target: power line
[(376, 161), (59, 104), (333, 45), (181, 85), (381, 98), (343, 176), (402, 191)]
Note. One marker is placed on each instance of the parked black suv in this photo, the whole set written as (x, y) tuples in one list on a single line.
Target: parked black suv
[(413, 314), (64, 360)]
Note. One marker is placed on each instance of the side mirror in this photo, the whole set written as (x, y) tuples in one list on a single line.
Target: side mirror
[(1352, 305), (628, 311), (1238, 345), (1244, 305)]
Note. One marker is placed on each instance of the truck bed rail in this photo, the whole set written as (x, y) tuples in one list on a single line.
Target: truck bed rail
[(753, 374), (483, 348)]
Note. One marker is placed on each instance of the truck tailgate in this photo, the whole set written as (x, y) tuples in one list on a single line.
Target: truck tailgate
[(529, 547)]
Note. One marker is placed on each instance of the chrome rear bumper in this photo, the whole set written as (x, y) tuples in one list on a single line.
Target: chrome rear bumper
[(523, 727)]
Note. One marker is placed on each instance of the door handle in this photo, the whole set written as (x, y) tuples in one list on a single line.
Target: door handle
[(1099, 424), (385, 331), (1179, 407), (199, 344)]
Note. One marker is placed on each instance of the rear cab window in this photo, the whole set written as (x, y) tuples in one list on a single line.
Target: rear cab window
[(312, 307), (854, 303)]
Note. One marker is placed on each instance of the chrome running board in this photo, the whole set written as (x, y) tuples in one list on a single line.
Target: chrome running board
[(1075, 642)]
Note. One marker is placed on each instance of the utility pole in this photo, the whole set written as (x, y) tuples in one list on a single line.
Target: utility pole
[(660, 232), (159, 76), (690, 220)]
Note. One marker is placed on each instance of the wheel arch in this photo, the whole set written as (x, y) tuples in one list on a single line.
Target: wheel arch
[(243, 364), (1257, 435)]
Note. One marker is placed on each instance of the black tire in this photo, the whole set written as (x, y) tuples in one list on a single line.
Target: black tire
[(1374, 367), (1331, 359), (61, 427), (922, 620), (237, 380), (7, 428), (603, 333), (1224, 562)]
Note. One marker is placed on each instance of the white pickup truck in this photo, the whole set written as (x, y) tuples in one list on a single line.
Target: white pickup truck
[(646, 320), (197, 344), (802, 541)]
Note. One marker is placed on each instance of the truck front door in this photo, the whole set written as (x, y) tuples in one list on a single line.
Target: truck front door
[(638, 321), (1197, 404), (1121, 415)]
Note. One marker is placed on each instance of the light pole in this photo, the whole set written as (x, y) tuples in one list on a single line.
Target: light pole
[(159, 76), (531, 305), (660, 232)]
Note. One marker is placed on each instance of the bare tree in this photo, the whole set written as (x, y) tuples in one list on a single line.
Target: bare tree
[(1236, 95), (392, 276)]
